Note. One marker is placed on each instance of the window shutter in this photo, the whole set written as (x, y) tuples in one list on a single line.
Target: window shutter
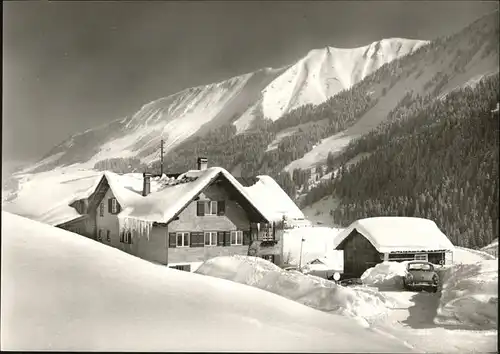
[(221, 207), (118, 207), (172, 241), (200, 208), (110, 205), (220, 238), (197, 239), (227, 238), (246, 237)]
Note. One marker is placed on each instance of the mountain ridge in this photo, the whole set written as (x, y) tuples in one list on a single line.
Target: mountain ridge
[(181, 115)]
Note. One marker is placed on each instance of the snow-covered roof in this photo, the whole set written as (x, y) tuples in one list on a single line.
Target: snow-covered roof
[(327, 262), (47, 196), (393, 234), (273, 200), (169, 195)]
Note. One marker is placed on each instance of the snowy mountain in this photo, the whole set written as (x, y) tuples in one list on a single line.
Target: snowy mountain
[(315, 106), (322, 73), (319, 75)]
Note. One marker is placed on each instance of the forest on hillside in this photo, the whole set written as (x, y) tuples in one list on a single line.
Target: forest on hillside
[(440, 161), (310, 124)]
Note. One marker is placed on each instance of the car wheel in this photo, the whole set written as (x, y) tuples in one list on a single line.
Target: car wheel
[(434, 289)]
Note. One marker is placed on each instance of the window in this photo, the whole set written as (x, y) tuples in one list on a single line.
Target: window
[(208, 207), (211, 208), (101, 209), (99, 235), (113, 206), (236, 237), (269, 257), (108, 235), (184, 267), (421, 257), (182, 239), (210, 238), (420, 266), (127, 238)]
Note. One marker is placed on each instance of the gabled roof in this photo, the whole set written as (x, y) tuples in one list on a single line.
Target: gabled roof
[(170, 195), (395, 234), (270, 197), (323, 263)]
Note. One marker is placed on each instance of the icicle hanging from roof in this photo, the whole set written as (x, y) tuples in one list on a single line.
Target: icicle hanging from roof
[(136, 226)]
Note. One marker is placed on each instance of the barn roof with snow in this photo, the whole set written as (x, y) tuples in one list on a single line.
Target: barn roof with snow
[(169, 195), (398, 234)]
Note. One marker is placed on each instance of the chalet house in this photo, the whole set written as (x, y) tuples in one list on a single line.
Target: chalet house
[(183, 220), (367, 242)]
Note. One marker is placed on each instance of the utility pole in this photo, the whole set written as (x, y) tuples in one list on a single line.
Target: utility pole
[(300, 259), (161, 158)]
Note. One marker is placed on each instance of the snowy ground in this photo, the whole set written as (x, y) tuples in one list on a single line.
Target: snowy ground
[(319, 212), (459, 319), (61, 291), (492, 248), (413, 321)]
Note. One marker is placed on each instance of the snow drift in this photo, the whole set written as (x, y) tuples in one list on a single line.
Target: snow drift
[(492, 248), (385, 275), (61, 291), (362, 303), (469, 297)]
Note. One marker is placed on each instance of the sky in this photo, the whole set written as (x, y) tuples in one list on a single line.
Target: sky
[(71, 66)]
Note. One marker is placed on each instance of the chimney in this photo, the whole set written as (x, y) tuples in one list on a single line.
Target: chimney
[(202, 163), (146, 186)]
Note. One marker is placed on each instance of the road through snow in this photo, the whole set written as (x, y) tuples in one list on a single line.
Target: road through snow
[(412, 321)]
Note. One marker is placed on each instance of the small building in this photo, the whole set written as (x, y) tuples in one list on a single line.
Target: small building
[(183, 220), (325, 267), (370, 241)]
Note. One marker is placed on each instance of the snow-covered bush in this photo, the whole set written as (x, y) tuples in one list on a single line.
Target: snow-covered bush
[(363, 303), (387, 275), (469, 297)]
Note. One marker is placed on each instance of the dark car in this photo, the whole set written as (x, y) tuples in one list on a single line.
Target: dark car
[(421, 274)]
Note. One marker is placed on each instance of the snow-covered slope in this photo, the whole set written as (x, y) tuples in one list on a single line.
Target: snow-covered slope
[(319, 75), (61, 291), (324, 72), (173, 118)]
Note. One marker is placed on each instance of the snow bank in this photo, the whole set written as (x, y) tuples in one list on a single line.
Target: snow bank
[(492, 248), (318, 243), (385, 275), (61, 291), (462, 255), (362, 303), (469, 297)]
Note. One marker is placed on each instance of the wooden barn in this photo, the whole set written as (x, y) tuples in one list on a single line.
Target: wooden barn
[(370, 241)]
